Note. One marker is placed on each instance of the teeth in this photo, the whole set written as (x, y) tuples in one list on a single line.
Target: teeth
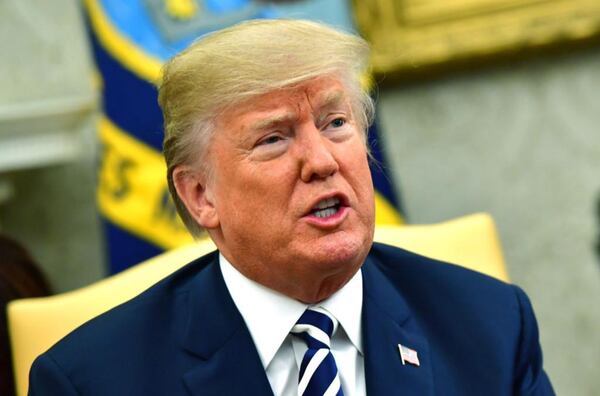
[(327, 207), (327, 203), (326, 212)]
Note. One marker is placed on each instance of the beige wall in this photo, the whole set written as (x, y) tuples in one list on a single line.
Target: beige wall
[(45, 68), (523, 143)]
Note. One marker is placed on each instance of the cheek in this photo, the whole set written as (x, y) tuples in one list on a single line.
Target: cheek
[(359, 171), (362, 184), (256, 196)]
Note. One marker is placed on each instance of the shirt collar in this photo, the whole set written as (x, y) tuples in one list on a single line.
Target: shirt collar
[(270, 315), (346, 306)]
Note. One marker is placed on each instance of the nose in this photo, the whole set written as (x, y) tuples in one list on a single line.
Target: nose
[(317, 160)]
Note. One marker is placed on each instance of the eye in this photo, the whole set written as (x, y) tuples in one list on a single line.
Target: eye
[(338, 122), (270, 140)]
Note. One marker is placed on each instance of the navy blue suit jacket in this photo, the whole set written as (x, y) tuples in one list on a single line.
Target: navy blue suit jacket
[(184, 336)]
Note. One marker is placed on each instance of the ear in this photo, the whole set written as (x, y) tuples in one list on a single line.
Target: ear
[(191, 186)]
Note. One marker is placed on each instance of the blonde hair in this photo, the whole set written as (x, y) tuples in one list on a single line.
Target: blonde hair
[(223, 68)]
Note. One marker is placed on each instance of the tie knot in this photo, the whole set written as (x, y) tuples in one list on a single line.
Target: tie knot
[(315, 326)]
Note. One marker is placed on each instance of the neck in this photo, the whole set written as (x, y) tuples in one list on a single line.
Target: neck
[(309, 288), (303, 277)]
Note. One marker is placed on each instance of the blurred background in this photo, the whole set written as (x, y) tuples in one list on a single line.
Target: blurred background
[(483, 105)]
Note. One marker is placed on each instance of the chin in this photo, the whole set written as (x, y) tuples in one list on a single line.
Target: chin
[(341, 251)]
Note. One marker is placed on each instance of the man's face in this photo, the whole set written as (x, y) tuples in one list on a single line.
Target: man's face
[(291, 189)]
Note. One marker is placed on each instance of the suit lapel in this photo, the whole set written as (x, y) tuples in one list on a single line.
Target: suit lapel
[(228, 362), (387, 322)]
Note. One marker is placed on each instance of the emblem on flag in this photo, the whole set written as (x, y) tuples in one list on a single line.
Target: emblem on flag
[(408, 355)]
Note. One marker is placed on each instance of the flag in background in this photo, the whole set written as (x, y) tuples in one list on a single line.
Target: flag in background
[(130, 41)]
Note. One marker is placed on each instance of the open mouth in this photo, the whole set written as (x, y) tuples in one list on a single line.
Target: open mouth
[(326, 207)]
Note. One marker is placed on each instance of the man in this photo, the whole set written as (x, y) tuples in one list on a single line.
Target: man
[(265, 146)]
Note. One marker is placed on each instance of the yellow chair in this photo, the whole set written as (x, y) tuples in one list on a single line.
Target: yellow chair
[(36, 324)]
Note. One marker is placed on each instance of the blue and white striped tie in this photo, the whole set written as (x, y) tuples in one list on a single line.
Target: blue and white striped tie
[(318, 373)]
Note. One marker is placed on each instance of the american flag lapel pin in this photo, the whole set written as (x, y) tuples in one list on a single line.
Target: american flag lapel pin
[(408, 355)]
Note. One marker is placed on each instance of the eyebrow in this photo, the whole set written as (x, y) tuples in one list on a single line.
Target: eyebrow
[(272, 121), (331, 99)]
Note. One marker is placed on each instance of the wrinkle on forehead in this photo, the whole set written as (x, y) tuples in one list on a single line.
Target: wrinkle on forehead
[(287, 104)]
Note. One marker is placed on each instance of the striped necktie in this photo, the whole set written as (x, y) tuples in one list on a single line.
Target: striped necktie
[(318, 373)]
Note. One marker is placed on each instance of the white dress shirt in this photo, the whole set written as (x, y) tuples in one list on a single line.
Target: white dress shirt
[(270, 315)]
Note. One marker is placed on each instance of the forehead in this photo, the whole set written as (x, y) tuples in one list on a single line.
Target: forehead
[(319, 92)]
